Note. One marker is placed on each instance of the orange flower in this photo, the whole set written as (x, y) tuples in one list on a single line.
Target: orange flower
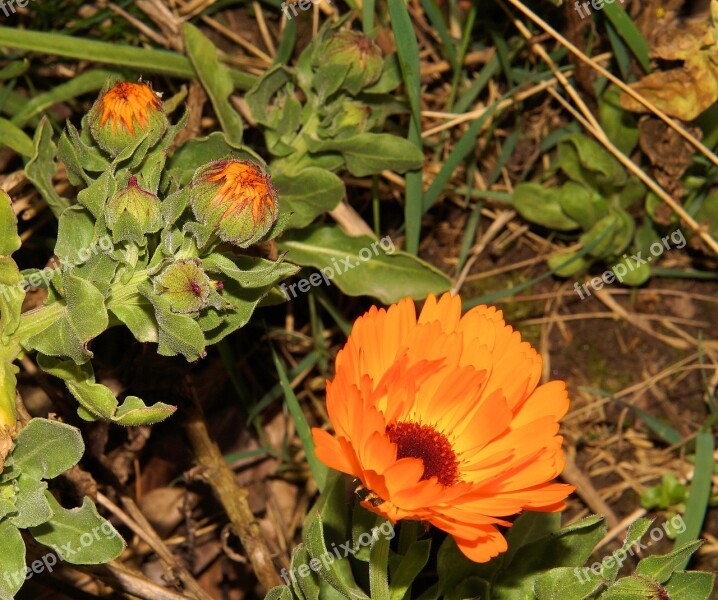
[(237, 198), (441, 420), (125, 111)]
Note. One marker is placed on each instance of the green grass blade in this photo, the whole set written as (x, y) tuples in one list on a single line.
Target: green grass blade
[(432, 10), (700, 491), (319, 469), (138, 59), (367, 17), (14, 137), (407, 48), (627, 29)]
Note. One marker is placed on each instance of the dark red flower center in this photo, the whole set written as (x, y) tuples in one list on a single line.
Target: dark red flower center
[(414, 440)]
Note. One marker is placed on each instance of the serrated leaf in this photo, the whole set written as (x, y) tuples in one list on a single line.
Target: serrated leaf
[(360, 266), (81, 317), (45, 449), (42, 168), (79, 535), (308, 194)]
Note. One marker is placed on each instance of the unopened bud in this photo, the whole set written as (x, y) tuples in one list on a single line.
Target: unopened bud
[(132, 213), (358, 52), (124, 113), (185, 284), (236, 198)]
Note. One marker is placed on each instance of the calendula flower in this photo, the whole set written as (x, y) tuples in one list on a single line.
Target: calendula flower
[(125, 112), (236, 198), (442, 420)]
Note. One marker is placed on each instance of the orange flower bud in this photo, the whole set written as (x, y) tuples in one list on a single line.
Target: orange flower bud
[(124, 113), (236, 198)]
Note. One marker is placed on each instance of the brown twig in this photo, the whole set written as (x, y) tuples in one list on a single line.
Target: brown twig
[(234, 498)]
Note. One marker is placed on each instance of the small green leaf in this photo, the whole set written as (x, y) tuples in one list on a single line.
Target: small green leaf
[(633, 587), (281, 592), (45, 449), (9, 239), (542, 206), (79, 535), (408, 568)]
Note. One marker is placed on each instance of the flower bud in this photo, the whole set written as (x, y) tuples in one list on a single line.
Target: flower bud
[(236, 198), (185, 284), (133, 212), (124, 113), (358, 52)]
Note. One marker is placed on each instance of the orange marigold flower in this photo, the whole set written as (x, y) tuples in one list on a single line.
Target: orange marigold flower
[(236, 198), (442, 420), (124, 112)]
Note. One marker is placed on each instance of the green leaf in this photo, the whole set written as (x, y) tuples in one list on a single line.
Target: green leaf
[(359, 265), (372, 153), (248, 271), (529, 527), (542, 206), (565, 583), (12, 294), (14, 69), (41, 168), (662, 567), (633, 587), (690, 585), (630, 33), (216, 80), (408, 569), (142, 60), (31, 504), (45, 449), (569, 547), (79, 535), (635, 532), (308, 194), (586, 161), (379, 567), (12, 560), (259, 97), (80, 318), (325, 525), (8, 383), (14, 137), (619, 124), (98, 401)]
